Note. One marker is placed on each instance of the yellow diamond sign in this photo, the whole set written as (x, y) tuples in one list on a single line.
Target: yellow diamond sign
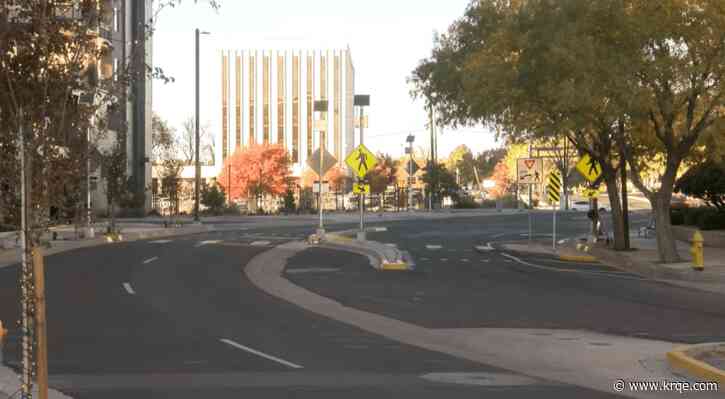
[(589, 168), (361, 160), (359, 188)]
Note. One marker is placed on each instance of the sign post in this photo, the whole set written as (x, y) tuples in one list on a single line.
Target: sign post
[(529, 171), (361, 160), (553, 189)]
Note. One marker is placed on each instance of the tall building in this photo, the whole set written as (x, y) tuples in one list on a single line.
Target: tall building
[(127, 24), (122, 31), (267, 96)]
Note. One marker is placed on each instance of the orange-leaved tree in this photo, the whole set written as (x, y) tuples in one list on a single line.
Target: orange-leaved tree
[(501, 178), (255, 171)]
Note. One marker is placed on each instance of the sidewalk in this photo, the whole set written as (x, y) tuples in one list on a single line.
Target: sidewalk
[(129, 232), (644, 260)]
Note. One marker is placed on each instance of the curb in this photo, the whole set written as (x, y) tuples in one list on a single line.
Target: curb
[(679, 360), (394, 259), (577, 258)]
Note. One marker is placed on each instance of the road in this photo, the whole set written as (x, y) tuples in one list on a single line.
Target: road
[(178, 318)]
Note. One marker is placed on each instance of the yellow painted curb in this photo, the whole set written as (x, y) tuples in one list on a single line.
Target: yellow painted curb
[(578, 258), (394, 266), (679, 360)]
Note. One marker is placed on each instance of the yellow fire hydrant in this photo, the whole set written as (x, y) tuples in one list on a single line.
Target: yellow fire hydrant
[(698, 257)]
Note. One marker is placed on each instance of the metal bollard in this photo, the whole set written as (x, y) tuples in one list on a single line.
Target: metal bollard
[(697, 251)]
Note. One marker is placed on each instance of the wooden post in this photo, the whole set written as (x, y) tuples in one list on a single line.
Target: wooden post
[(40, 327)]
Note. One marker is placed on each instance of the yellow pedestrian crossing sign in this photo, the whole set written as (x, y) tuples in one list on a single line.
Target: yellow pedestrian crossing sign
[(553, 188), (591, 192), (589, 168), (361, 160), (359, 188)]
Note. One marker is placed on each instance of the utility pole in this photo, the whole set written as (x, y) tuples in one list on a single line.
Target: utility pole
[(432, 164)]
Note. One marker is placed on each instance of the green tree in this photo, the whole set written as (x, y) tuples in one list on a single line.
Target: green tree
[(213, 197), (621, 80)]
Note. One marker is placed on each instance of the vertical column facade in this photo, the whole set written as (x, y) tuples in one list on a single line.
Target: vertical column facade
[(280, 108)]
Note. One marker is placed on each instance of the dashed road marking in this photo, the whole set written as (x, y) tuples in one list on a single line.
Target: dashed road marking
[(433, 247), (160, 242), (465, 260), (444, 259), (486, 247), (260, 354), (391, 245), (424, 259), (379, 229), (207, 242), (149, 260), (259, 243), (129, 289)]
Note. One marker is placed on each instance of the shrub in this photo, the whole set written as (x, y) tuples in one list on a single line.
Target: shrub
[(677, 217), (465, 203), (711, 219), (692, 215), (488, 203)]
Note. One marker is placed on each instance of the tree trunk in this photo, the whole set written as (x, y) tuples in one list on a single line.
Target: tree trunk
[(616, 217), (660, 201)]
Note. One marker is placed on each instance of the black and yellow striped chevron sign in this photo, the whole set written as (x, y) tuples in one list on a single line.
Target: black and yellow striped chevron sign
[(553, 188)]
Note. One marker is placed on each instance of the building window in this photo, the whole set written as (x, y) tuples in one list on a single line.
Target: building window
[(238, 102), (323, 94), (266, 89), (252, 96), (337, 105), (310, 75), (280, 100), (295, 108), (225, 105)]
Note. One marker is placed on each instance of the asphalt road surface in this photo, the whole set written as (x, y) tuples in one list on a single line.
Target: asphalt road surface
[(178, 318)]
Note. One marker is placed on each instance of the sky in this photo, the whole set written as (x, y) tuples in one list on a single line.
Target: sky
[(387, 38)]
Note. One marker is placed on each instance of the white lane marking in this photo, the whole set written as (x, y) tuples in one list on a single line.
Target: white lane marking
[(424, 259), (380, 229), (444, 259), (258, 353), (129, 289), (259, 243), (147, 261), (553, 269), (207, 242), (391, 245), (486, 247), (433, 246), (498, 235), (160, 242), (465, 260), (485, 260)]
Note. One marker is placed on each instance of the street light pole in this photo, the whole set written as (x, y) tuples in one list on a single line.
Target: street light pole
[(410, 140), (361, 100), (197, 166)]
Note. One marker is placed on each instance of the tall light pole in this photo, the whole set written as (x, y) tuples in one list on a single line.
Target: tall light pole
[(321, 107), (410, 139), (197, 171)]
